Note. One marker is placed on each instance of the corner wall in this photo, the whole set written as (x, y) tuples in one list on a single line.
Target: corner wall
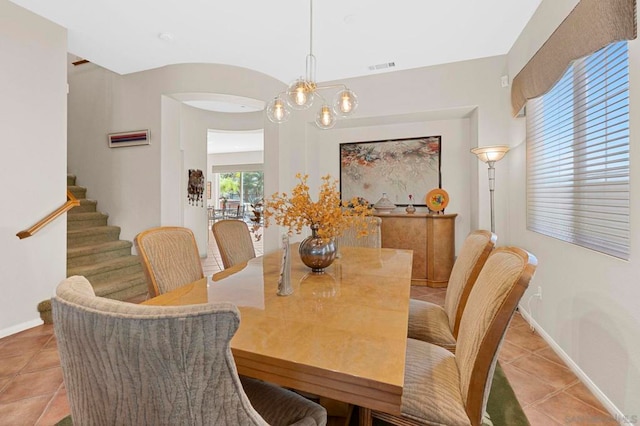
[(33, 106)]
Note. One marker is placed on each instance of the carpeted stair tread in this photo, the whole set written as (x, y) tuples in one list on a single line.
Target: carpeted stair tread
[(86, 220), (78, 191), (122, 288), (103, 271), (94, 253), (94, 235), (86, 205)]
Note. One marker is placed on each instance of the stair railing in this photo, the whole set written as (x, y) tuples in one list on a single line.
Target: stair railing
[(71, 203)]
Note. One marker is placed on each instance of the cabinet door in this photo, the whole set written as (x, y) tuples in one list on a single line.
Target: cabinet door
[(409, 233), (440, 250)]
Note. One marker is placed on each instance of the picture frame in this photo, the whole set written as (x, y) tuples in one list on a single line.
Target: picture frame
[(397, 167), (132, 138)]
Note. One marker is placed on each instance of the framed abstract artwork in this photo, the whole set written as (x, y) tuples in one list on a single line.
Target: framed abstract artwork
[(136, 137), (398, 167)]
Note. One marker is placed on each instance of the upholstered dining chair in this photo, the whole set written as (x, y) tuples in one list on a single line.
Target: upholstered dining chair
[(452, 389), (350, 237), (233, 239), (169, 257), (433, 323), (131, 364)]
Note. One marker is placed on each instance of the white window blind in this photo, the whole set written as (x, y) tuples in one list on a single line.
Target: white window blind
[(578, 155)]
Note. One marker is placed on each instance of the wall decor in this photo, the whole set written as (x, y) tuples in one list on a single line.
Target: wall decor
[(136, 137), (397, 167), (195, 189), (208, 190)]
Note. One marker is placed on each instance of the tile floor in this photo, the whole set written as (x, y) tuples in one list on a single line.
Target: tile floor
[(548, 391), (32, 391)]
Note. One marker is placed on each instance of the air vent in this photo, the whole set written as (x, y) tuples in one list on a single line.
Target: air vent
[(382, 66)]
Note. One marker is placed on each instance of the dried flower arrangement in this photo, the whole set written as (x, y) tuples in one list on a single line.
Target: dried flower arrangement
[(299, 210)]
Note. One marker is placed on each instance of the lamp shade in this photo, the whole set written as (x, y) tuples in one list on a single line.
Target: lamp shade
[(490, 153)]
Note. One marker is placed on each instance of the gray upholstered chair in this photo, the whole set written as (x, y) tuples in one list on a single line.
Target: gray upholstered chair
[(350, 237), (446, 389), (233, 239), (127, 364), (431, 322), (169, 257)]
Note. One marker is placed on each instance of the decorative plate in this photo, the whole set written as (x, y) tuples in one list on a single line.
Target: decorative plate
[(437, 199)]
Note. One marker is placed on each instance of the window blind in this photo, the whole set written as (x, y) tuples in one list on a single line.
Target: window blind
[(578, 155)]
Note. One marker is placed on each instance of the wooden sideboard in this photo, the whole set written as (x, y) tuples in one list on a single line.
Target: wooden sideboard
[(432, 239)]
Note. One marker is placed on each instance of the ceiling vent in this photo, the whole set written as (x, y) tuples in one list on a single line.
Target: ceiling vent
[(382, 66)]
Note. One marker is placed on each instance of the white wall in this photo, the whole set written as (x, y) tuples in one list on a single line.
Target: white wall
[(33, 106), (137, 185), (589, 309), (456, 174), (462, 100)]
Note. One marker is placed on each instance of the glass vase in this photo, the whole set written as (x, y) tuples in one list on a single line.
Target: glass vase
[(317, 253)]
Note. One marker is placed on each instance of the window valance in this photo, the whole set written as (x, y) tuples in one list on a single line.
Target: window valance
[(590, 26)]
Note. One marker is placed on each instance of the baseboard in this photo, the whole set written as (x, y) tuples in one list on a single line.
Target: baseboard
[(20, 327), (606, 402)]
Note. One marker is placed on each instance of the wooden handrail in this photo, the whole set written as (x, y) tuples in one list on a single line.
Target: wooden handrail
[(71, 203)]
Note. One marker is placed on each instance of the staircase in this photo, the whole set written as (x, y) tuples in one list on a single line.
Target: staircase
[(95, 251)]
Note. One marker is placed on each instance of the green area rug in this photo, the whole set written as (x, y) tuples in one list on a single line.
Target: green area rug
[(503, 408)]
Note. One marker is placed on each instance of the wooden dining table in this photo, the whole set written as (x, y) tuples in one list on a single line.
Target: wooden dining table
[(340, 334)]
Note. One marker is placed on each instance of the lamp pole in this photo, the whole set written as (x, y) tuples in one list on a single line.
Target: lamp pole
[(489, 155), (492, 187)]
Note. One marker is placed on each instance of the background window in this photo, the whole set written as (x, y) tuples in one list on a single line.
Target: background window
[(578, 155)]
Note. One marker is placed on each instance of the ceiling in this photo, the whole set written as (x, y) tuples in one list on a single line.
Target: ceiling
[(351, 38)]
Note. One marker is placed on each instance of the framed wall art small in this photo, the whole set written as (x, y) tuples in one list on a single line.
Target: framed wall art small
[(136, 137)]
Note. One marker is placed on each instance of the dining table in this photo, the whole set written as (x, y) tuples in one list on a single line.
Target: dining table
[(340, 334)]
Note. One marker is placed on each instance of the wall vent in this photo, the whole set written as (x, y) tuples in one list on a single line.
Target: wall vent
[(382, 66)]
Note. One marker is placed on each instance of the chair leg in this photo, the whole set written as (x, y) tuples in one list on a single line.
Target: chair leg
[(366, 418)]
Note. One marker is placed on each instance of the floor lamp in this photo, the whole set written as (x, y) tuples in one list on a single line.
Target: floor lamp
[(489, 155)]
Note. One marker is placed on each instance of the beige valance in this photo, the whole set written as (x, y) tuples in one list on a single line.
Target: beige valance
[(590, 26)]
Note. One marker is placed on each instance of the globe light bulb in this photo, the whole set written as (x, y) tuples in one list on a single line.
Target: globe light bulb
[(325, 119), (300, 94), (345, 102), (277, 112)]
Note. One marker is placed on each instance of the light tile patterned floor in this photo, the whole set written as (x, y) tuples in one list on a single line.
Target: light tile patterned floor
[(32, 391)]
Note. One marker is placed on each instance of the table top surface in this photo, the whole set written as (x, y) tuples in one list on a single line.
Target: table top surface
[(341, 334)]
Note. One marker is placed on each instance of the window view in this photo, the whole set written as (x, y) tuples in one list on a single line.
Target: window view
[(578, 155), (239, 192)]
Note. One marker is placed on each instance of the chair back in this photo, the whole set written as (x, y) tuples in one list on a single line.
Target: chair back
[(350, 237), (147, 365), (234, 241), (473, 254), (169, 257), (491, 304)]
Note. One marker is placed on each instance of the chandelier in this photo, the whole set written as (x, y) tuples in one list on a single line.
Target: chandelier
[(301, 94)]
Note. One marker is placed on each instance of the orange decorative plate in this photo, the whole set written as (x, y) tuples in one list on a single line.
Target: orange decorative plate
[(437, 199)]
